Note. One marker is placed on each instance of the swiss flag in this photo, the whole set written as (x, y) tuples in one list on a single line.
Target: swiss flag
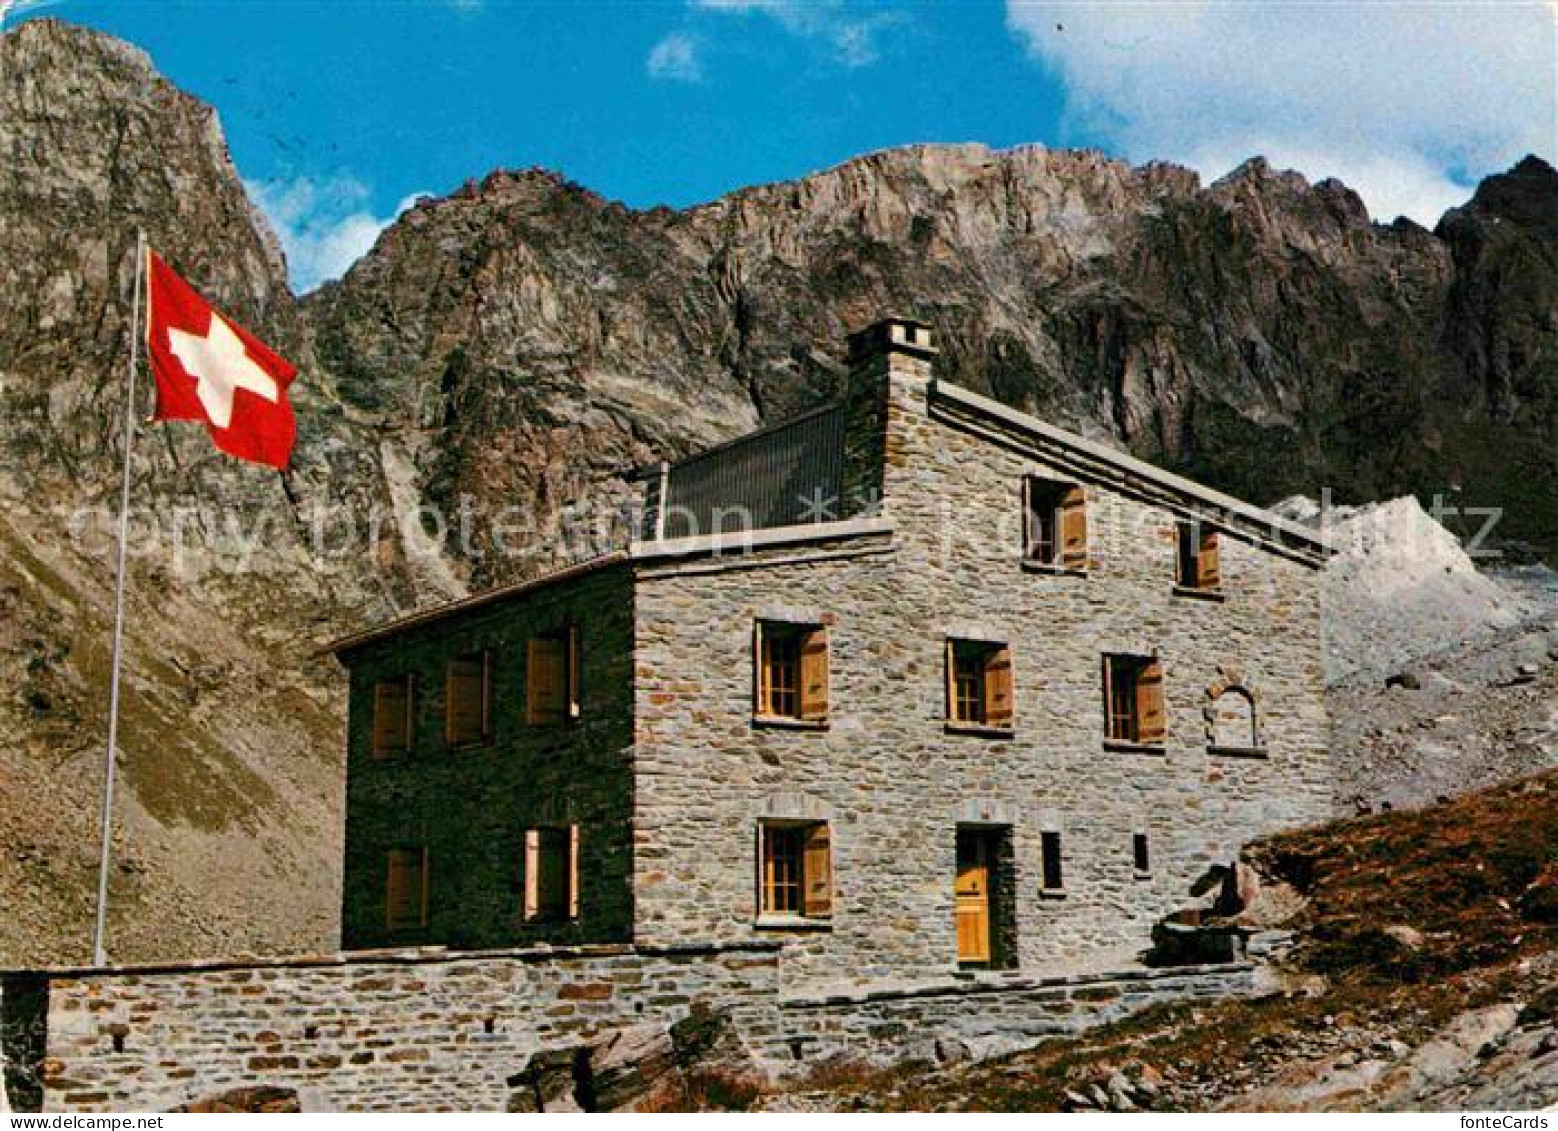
[(211, 369)]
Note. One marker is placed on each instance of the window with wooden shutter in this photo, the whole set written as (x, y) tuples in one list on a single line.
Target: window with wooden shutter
[(792, 671), (1199, 565), (795, 866), (979, 683), (405, 889), (1133, 700), (550, 663), (1051, 873), (1054, 523), (468, 699), (392, 715), (552, 873)]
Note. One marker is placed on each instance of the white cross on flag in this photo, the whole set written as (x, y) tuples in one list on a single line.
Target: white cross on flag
[(211, 369)]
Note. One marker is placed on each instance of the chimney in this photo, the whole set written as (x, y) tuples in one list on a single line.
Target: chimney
[(889, 371)]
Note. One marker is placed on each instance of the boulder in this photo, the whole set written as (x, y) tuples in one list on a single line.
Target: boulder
[(1409, 937), (548, 1082), (634, 1067)]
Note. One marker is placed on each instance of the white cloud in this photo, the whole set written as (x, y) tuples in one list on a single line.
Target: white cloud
[(676, 57), (324, 225), (1409, 103), (851, 39), (10, 8)]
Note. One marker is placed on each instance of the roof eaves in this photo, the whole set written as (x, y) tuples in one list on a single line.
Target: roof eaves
[(465, 604), (1130, 465)]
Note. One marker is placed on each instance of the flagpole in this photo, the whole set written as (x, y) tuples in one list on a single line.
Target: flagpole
[(99, 951)]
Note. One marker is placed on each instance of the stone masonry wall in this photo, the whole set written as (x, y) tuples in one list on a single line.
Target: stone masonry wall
[(984, 1018), (424, 1032), (888, 773), (435, 1032), (471, 805)]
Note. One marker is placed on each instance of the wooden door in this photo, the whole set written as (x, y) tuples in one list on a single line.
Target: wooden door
[(973, 898)]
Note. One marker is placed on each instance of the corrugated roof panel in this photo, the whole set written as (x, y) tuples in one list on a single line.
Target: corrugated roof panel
[(787, 475)]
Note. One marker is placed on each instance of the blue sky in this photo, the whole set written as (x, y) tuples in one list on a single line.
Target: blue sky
[(338, 112)]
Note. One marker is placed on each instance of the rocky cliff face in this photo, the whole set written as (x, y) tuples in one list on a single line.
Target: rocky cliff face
[(507, 354)]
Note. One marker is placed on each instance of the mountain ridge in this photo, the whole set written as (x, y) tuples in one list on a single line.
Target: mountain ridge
[(516, 347)]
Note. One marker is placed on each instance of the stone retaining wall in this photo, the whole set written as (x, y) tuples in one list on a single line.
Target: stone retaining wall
[(450, 1031), (956, 1019), (415, 1030)]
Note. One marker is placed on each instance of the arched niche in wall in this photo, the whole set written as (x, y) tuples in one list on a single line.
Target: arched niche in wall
[(1232, 714)]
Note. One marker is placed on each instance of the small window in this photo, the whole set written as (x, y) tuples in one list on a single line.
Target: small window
[(552, 677), (1051, 875), (552, 873), (468, 705), (405, 889), (1198, 562), (796, 870), (979, 683), (792, 671), (1141, 858), (1055, 523), (392, 699), (1133, 699)]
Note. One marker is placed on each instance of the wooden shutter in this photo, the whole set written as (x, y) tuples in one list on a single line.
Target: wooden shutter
[(1150, 721), (1073, 528), (1208, 570), (575, 696), (814, 674), (764, 901), (817, 872), (486, 693), (546, 667), (466, 711), (573, 871), (952, 681), (391, 717), (759, 670), (999, 708), (405, 888), (532, 873), (1109, 707)]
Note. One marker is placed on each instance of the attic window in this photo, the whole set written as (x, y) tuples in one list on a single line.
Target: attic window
[(552, 677), (1197, 551), (979, 684), (468, 699), (1055, 523), (392, 699)]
